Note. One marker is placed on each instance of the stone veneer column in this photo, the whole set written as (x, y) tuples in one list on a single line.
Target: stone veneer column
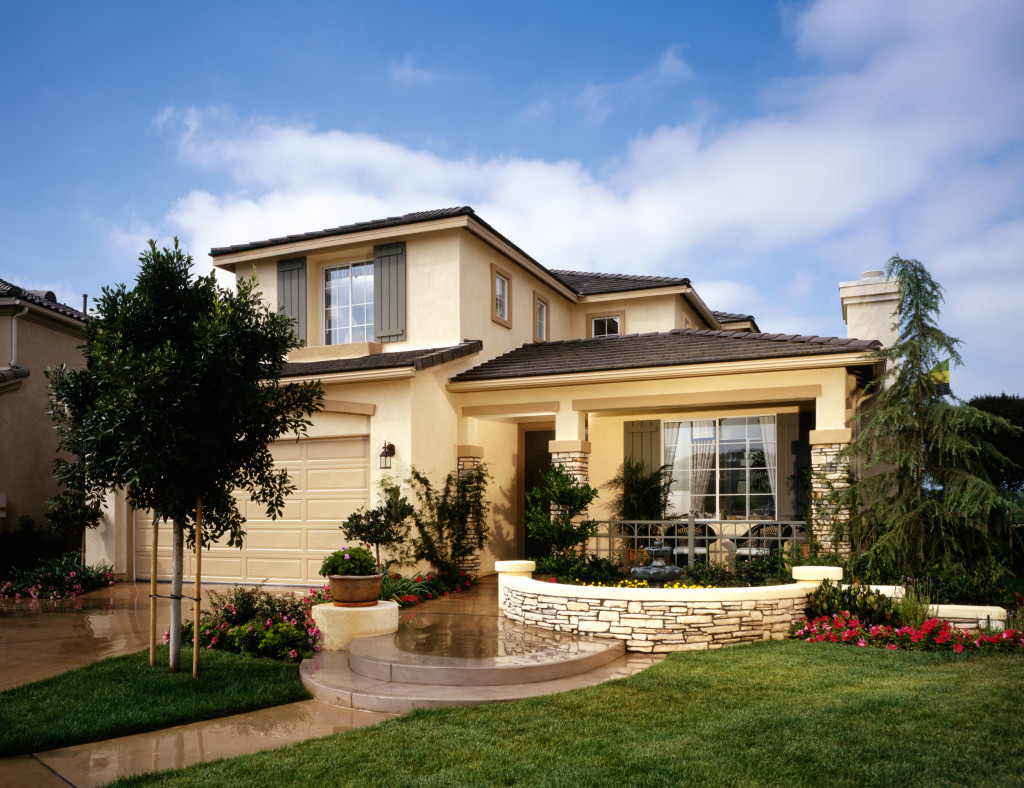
[(470, 458), (574, 457), (828, 473)]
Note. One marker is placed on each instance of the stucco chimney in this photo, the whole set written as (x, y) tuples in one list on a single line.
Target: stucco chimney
[(868, 306)]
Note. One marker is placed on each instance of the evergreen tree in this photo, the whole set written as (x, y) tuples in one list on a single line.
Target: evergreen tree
[(922, 495)]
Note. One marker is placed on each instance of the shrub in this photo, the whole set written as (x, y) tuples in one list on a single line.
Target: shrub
[(915, 604), (571, 497), (640, 493), (349, 561), (761, 570), (59, 578), (451, 520), (867, 606), (386, 525), (983, 583), (580, 570)]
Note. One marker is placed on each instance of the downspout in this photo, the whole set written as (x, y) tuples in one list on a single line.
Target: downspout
[(14, 333)]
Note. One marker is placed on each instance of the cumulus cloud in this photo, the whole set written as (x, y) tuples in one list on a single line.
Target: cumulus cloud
[(405, 72), (905, 138)]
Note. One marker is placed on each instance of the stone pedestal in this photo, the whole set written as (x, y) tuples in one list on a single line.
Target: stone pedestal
[(511, 569), (813, 575), (339, 626)]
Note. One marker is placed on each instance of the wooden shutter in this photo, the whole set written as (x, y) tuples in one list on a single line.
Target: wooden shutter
[(643, 442), (291, 292), (389, 292)]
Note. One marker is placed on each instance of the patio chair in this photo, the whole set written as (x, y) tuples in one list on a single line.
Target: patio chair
[(702, 538), (762, 539)]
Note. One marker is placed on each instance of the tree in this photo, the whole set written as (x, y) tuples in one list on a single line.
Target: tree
[(922, 495), (552, 506), (386, 525), (640, 493), (451, 520), (177, 404)]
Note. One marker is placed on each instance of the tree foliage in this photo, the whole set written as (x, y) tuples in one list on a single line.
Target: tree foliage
[(922, 494), (552, 509), (452, 519), (639, 492), (385, 525), (179, 398)]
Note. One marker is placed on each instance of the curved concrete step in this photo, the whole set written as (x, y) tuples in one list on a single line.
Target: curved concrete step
[(329, 678), (534, 658)]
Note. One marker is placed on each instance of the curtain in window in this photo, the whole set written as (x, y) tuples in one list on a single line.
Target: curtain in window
[(703, 460), (771, 453)]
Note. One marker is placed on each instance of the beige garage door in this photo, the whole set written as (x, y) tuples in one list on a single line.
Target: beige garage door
[(332, 477)]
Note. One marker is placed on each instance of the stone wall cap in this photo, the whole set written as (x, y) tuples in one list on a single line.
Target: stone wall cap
[(817, 573), (515, 566)]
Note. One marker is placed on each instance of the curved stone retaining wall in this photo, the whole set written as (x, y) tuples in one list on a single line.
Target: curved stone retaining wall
[(677, 619), (660, 620)]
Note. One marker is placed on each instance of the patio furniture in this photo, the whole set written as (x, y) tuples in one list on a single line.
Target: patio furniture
[(702, 538), (762, 539)]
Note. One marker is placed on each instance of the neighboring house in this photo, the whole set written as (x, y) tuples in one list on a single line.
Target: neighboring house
[(434, 334), (36, 332)]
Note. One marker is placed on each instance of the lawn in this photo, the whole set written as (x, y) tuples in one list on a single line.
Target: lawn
[(777, 713), (122, 695)]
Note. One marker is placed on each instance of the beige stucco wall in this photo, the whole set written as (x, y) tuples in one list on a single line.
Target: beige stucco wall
[(26, 473), (640, 315)]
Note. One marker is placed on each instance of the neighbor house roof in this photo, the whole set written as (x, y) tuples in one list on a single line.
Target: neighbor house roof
[(41, 298), (417, 359), (592, 283), (633, 351)]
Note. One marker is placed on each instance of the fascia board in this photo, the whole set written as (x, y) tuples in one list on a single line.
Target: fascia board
[(333, 378), (661, 373), (520, 258)]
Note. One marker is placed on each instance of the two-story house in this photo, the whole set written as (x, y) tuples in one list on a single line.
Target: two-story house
[(439, 342)]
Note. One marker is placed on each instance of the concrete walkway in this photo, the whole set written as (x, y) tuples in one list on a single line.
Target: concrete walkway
[(38, 639)]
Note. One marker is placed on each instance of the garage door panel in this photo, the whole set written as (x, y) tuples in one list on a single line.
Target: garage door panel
[(332, 481)]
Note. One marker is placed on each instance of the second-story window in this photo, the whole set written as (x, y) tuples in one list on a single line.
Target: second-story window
[(500, 297), (540, 322), (605, 326), (348, 304)]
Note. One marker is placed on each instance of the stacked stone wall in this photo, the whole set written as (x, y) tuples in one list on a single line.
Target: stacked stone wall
[(829, 473), (661, 625), (471, 563)]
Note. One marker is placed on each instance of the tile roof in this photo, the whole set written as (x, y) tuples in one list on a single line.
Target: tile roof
[(40, 298), (7, 374), (591, 283), (346, 229), (730, 317), (636, 351), (417, 359)]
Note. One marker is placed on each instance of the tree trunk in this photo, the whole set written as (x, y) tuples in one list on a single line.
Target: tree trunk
[(177, 563)]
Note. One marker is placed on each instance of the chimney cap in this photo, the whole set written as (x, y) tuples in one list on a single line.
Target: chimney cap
[(872, 274)]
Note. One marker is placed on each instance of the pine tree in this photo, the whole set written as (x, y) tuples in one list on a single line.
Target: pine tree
[(922, 494)]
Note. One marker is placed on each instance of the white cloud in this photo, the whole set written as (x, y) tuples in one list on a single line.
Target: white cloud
[(908, 140), (405, 72)]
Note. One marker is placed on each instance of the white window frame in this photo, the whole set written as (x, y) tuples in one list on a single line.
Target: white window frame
[(541, 318), (501, 302), (367, 305)]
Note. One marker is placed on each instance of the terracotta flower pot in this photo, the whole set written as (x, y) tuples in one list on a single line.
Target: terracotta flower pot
[(355, 590)]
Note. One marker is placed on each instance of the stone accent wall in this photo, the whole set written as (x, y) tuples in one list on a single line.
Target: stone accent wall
[(828, 472), (654, 625), (576, 464), (471, 564)]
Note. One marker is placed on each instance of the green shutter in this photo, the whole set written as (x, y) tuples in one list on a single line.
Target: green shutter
[(643, 442), (291, 292), (389, 292)]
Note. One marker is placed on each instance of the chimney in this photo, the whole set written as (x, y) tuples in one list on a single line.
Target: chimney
[(868, 307)]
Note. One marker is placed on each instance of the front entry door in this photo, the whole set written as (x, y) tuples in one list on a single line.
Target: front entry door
[(536, 459)]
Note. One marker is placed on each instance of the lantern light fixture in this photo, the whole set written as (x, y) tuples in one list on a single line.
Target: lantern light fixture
[(386, 454)]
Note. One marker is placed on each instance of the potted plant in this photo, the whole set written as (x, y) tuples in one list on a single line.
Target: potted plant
[(353, 576)]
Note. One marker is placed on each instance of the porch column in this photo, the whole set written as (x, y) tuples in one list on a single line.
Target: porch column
[(574, 457), (829, 473), (469, 458)]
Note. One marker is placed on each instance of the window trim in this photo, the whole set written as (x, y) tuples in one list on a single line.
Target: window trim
[(324, 271), (497, 271), (539, 300), (592, 316)]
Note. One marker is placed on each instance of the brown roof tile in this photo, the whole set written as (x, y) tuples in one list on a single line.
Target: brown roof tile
[(417, 359), (635, 351), (591, 283)]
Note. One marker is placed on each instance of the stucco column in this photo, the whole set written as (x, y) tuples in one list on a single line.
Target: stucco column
[(470, 457), (829, 473)]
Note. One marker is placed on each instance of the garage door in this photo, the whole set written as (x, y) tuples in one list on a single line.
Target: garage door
[(332, 477)]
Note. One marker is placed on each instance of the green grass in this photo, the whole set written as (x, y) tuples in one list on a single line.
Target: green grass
[(123, 695), (780, 713)]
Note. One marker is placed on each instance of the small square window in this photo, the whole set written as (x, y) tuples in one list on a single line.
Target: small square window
[(605, 326)]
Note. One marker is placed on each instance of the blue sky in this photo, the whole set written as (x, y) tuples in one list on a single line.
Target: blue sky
[(767, 151)]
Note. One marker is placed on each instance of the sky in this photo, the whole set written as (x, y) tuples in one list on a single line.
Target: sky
[(765, 150)]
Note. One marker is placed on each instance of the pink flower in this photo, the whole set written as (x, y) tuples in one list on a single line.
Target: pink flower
[(293, 654), (891, 647), (861, 642), (958, 647)]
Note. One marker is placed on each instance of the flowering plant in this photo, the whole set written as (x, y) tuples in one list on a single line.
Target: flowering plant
[(349, 561), (933, 635)]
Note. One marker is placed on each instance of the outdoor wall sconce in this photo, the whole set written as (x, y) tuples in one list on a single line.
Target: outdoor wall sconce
[(386, 454)]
